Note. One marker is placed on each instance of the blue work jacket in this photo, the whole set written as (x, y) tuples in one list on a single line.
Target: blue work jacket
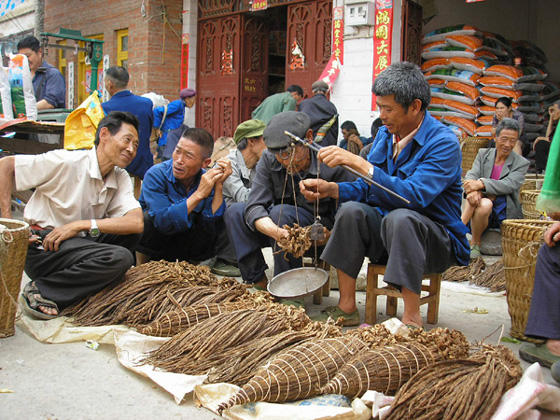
[(165, 199), (173, 119), (427, 173)]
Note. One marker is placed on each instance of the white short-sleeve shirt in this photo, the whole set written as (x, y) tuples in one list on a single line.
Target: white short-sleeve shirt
[(69, 187)]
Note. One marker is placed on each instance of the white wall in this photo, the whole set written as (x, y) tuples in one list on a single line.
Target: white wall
[(531, 20), (351, 93), (190, 9)]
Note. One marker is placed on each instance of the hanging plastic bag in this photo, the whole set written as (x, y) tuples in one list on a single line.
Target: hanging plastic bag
[(6, 112), (81, 124), (549, 198), (21, 86)]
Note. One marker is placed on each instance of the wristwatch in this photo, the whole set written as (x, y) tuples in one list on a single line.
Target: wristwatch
[(370, 173), (94, 230)]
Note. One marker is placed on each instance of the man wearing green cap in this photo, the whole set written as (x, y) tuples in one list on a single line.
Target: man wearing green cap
[(250, 145)]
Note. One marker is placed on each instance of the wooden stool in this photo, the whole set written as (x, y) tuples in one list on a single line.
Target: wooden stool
[(326, 289), (373, 290)]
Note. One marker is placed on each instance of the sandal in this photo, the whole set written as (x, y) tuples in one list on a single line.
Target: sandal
[(539, 354), (32, 299)]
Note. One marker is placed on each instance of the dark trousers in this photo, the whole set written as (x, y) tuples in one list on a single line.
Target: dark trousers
[(81, 266), (544, 315), (542, 150), (248, 243), (411, 244), (225, 250), (192, 245)]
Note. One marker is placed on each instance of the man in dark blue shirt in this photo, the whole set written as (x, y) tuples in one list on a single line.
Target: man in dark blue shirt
[(417, 157), (122, 99), (48, 82), (182, 202)]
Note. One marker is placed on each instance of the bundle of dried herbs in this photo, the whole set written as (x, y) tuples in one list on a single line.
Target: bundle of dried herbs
[(460, 273), (462, 389), (298, 372), (179, 319), (493, 277), (297, 242), (386, 369), (185, 352), (150, 286)]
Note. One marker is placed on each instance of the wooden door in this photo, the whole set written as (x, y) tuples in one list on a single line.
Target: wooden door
[(218, 69), (309, 26), (254, 65), (411, 47)]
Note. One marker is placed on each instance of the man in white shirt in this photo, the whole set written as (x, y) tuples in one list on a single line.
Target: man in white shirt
[(85, 218)]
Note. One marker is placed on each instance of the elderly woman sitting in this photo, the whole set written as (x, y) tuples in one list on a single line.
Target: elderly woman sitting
[(491, 187)]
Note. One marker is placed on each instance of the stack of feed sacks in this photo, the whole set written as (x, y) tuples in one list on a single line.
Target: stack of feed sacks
[(468, 70)]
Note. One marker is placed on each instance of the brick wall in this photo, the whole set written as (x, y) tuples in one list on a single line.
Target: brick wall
[(154, 49)]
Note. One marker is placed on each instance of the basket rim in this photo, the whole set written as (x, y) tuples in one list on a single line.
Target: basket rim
[(22, 225)]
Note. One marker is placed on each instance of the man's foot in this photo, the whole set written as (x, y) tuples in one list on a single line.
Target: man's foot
[(475, 251), (261, 284), (349, 319), (220, 268), (36, 305), (540, 354)]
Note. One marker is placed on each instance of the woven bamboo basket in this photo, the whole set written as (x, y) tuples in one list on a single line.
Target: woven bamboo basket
[(469, 149), (13, 251), (530, 184), (521, 240), (528, 204)]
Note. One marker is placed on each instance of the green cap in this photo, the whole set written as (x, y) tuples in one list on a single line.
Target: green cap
[(248, 129)]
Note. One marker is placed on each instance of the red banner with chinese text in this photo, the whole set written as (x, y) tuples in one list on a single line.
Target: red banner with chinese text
[(382, 39), (338, 34), (331, 71), (259, 5), (185, 61)]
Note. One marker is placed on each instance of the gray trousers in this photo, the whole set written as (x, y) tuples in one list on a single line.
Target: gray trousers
[(411, 244)]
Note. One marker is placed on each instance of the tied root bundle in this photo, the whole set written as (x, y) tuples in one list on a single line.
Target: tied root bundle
[(386, 369), (151, 290), (231, 346), (462, 389), (297, 242), (492, 277)]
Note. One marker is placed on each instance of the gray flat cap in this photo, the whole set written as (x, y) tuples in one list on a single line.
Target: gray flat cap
[(320, 85), (295, 122)]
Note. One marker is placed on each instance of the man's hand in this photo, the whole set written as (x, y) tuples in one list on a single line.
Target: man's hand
[(224, 165), (266, 226), (54, 238), (470, 185), (207, 182), (474, 198), (314, 188), (354, 138), (552, 235)]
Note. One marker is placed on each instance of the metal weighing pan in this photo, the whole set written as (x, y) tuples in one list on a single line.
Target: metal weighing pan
[(297, 282)]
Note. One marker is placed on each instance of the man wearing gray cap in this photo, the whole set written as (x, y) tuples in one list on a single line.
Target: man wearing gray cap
[(275, 199), (322, 113)]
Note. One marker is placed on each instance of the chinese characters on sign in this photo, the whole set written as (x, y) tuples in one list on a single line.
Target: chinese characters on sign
[(185, 61), (249, 85), (338, 34), (331, 71), (382, 38), (259, 5)]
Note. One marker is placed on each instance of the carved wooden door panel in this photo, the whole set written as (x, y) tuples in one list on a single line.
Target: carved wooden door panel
[(412, 32), (308, 43), (254, 65), (218, 69)]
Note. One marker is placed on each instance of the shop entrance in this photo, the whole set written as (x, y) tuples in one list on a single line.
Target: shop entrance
[(244, 57)]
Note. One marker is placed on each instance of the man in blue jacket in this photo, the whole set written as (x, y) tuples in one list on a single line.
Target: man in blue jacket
[(418, 158), (183, 202), (122, 99)]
